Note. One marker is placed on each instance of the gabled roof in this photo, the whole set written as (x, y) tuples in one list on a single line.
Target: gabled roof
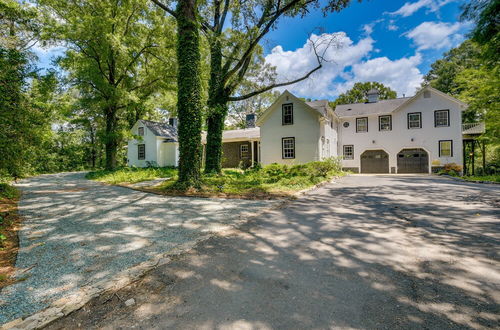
[(388, 106), (319, 107), (161, 129)]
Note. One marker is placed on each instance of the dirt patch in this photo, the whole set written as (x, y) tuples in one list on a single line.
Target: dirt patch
[(9, 225)]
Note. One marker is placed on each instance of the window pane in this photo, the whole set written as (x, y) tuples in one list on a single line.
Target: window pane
[(414, 120), (361, 124), (141, 151), (385, 123), (348, 152), (288, 148), (445, 148), (287, 114), (442, 118)]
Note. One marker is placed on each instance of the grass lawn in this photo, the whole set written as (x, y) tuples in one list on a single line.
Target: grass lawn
[(493, 178), (132, 174), (9, 225), (268, 182)]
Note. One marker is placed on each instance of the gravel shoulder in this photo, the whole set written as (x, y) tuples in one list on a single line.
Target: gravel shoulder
[(367, 252), (77, 232)]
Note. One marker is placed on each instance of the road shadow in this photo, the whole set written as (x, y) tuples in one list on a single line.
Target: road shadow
[(391, 252)]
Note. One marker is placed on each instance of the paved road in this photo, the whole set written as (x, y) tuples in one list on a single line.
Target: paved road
[(76, 232), (376, 252)]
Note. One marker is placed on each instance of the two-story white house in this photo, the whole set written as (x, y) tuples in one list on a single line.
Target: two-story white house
[(403, 135), (417, 134)]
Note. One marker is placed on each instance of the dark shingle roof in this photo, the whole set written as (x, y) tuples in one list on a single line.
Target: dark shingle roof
[(320, 106), (161, 129), (380, 107)]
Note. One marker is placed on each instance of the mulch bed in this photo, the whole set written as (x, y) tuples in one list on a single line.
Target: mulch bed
[(10, 246)]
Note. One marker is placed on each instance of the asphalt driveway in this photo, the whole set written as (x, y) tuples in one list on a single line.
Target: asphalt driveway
[(376, 252), (76, 232)]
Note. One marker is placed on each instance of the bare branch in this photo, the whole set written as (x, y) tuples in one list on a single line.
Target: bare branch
[(165, 8), (320, 58)]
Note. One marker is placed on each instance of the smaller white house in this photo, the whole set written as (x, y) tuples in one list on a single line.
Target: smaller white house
[(154, 144)]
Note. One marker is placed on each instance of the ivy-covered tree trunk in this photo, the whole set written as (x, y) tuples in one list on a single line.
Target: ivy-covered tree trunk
[(189, 93), (111, 139), (217, 110)]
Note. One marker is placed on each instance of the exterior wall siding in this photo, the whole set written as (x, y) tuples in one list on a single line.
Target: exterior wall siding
[(305, 130), (163, 154), (400, 137), (231, 156)]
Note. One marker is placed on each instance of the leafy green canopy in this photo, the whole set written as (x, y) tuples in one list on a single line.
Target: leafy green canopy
[(25, 111), (119, 56), (357, 94)]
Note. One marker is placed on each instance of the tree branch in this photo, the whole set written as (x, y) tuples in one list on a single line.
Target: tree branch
[(320, 58), (165, 8)]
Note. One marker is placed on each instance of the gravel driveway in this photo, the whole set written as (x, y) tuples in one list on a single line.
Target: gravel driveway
[(369, 252), (76, 232)]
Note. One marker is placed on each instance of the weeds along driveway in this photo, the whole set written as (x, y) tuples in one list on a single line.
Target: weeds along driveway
[(76, 232)]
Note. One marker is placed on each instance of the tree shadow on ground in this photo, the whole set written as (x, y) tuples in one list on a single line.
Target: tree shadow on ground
[(395, 252), (77, 232)]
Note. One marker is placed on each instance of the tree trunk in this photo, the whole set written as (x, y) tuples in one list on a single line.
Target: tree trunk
[(217, 110), (189, 93), (111, 142)]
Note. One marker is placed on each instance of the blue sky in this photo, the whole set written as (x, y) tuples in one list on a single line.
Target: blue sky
[(393, 42), (389, 41)]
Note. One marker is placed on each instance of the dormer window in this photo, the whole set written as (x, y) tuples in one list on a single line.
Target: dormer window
[(140, 131), (287, 114)]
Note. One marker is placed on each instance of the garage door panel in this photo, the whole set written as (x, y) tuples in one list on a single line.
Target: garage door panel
[(413, 161), (374, 161)]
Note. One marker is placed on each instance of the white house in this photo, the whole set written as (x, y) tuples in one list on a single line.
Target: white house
[(154, 144), (416, 134), (293, 131), (404, 135)]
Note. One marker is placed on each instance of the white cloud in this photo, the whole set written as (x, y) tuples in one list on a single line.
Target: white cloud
[(294, 64), (349, 64), (402, 75), (392, 26), (409, 8), (435, 35)]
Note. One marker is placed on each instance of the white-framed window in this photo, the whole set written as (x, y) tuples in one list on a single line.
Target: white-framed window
[(288, 147), (441, 118), (385, 123), (349, 151), (446, 148), (361, 124), (287, 114), (140, 131), (243, 150), (141, 151), (415, 120)]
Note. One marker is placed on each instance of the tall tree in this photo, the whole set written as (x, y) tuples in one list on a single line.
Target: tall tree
[(119, 54), (233, 51), (444, 71), (357, 94), (19, 25), (189, 85), (24, 112), (486, 16)]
